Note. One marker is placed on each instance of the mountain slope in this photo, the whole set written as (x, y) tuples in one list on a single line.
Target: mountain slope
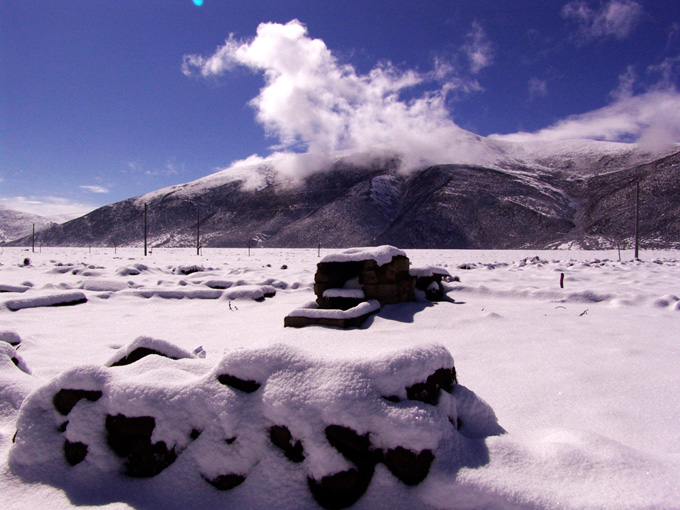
[(16, 224), (558, 195)]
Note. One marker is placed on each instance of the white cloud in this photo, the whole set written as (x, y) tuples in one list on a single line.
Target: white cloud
[(94, 189), (668, 71), (651, 118), (616, 18), (313, 103), (537, 88), (47, 206), (172, 167), (478, 48), (626, 83)]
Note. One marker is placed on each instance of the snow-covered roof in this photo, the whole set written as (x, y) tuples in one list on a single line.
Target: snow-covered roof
[(381, 254)]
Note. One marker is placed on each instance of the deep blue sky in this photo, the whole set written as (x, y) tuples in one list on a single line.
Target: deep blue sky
[(95, 108)]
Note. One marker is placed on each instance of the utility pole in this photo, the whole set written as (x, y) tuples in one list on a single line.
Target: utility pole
[(145, 212), (637, 220), (198, 232)]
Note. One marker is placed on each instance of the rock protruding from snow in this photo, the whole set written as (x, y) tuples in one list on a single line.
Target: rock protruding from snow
[(385, 280), (429, 281), (67, 298), (144, 346), (313, 315), (190, 421), (9, 353), (344, 280)]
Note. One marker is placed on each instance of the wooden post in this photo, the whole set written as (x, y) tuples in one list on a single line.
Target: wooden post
[(33, 239), (198, 232), (637, 220), (319, 252), (561, 280), (145, 213), (249, 247)]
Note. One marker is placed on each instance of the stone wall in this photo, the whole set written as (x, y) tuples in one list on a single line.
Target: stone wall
[(389, 284)]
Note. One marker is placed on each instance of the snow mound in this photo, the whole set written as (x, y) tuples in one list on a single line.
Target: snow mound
[(381, 254), (11, 337), (428, 271), (188, 269), (13, 288), (9, 354), (258, 415), (254, 292), (16, 383), (133, 270), (179, 293), (49, 299), (100, 285), (144, 346)]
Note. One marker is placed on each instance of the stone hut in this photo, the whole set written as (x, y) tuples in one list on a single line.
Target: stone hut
[(353, 284)]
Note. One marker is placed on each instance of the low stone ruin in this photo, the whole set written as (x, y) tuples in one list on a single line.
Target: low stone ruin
[(346, 282), (253, 409)]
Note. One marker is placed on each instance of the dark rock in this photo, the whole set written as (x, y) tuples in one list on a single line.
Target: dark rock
[(75, 453), (71, 302), (338, 303), (432, 286), (247, 386), (64, 400), (428, 391), (130, 439), (354, 447), (230, 440), (392, 398), (194, 434), (409, 467), (226, 482), (137, 354), (301, 322), (281, 437), (62, 428), (341, 490)]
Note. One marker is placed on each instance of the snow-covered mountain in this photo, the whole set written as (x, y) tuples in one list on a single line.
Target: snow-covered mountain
[(16, 224), (573, 193)]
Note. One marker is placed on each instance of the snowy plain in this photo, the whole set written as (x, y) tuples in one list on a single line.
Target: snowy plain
[(583, 382)]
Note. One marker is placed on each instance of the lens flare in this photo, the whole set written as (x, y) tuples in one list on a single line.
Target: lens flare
[(198, 3)]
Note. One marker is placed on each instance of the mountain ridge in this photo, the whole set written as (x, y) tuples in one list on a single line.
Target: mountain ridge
[(572, 197)]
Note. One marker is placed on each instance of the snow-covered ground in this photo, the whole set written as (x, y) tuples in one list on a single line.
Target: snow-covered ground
[(567, 397)]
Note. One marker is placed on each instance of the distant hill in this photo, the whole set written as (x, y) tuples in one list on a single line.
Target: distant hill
[(17, 224), (577, 193)]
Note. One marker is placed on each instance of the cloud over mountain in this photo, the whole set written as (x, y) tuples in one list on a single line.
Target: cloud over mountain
[(311, 102), (315, 106)]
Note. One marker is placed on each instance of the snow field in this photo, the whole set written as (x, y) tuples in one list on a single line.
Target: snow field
[(584, 379)]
